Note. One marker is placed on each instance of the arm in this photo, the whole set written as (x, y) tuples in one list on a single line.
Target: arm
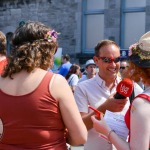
[(140, 131), (140, 121), (77, 133), (112, 104), (82, 102)]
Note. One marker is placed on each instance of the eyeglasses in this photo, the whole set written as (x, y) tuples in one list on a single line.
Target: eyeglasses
[(110, 60), (123, 67)]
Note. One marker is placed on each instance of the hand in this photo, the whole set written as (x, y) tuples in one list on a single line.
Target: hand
[(100, 125), (114, 105)]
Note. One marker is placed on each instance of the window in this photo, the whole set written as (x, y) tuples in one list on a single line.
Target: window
[(132, 21), (93, 24)]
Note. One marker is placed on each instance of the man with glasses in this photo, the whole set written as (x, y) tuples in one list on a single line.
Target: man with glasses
[(123, 67), (96, 92)]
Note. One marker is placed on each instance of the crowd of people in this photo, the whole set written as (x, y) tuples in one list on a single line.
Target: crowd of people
[(48, 111)]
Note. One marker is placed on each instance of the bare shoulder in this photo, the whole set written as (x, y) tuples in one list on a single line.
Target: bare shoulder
[(59, 86), (59, 79), (141, 106), (140, 102)]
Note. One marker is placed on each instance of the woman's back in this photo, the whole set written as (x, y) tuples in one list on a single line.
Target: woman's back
[(37, 123), (38, 109)]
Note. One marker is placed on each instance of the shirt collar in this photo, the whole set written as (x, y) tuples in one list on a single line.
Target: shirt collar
[(101, 82)]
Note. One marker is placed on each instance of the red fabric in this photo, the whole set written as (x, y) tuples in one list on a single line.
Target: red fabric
[(2, 65), (127, 116), (32, 121)]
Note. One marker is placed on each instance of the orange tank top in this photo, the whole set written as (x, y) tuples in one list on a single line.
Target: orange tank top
[(32, 121)]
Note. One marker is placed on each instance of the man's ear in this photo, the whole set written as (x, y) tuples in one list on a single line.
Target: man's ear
[(95, 58)]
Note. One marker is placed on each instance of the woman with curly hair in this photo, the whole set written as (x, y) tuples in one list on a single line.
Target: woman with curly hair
[(37, 108), (137, 117), (3, 60)]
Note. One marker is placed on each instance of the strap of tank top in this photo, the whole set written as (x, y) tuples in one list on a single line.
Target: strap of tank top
[(46, 80), (143, 96)]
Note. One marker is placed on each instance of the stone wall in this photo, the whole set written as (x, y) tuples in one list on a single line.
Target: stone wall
[(112, 20), (62, 15)]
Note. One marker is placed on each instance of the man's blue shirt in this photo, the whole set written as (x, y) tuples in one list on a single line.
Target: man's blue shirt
[(64, 69)]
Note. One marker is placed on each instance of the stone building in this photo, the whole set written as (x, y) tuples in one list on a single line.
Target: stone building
[(82, 23)]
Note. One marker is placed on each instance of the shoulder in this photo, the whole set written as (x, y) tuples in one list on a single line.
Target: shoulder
[(73, 76), (86, 84), (141, 105), (84, 77), (66, 64), (58, 77), (58, 81)]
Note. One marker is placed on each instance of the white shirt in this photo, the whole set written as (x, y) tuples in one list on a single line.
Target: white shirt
[(83, 78), (73, 80), (94, 92)]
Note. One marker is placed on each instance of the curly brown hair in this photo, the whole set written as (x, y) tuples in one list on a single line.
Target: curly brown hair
[(137, 73), (31, 49), (2, 43)]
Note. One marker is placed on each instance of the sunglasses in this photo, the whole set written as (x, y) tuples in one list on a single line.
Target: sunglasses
[(123, 67), (110, 60)]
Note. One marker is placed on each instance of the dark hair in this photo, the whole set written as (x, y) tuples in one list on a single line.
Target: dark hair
[(2, 43), (72, 70), (67, 57), (31, 49), (104, 43)]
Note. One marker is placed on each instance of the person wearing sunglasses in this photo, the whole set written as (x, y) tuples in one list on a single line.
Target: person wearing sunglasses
[(37, 107), (137, 117), (98, 92), (123, 67)]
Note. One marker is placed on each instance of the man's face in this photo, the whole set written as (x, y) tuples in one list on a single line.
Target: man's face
[(123, 67), (91, 69), (108, 62)]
